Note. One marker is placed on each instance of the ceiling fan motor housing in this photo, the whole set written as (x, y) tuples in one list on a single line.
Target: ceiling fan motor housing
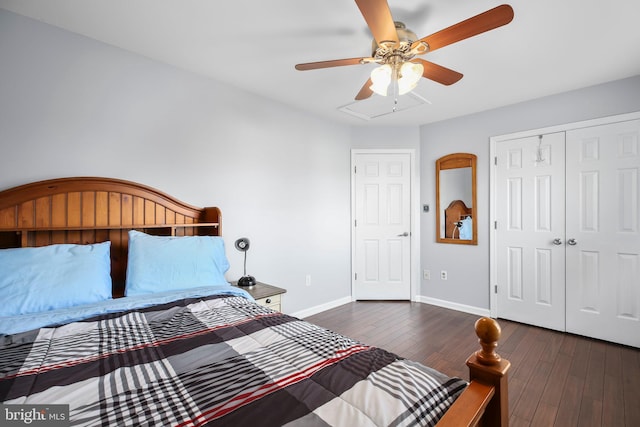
[(405, 36), (390, 53)]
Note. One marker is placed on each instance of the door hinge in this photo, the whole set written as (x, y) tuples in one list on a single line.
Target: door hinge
[(355, 222), (495, 289), (355, 276), (495, 225), (495, 160), (355, 169)]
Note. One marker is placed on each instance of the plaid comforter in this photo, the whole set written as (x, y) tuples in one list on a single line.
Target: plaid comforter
[(218, 360)]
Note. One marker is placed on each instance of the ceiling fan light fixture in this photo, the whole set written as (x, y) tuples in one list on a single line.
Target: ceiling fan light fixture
[(406, 75), (381, 78), (410, 74)]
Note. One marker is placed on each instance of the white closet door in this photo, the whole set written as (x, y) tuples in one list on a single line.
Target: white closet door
[(530, 214), (382, 260), (603, 240)]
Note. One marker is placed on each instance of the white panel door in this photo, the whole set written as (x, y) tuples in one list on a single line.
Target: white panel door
[(382, 226), (530, 212), (603, 250)]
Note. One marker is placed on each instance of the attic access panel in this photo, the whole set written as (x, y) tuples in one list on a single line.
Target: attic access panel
[(378, 106)]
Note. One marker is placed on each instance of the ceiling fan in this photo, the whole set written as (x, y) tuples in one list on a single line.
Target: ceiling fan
[(395, 48)]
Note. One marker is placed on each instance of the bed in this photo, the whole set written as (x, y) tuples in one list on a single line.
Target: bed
[(163, 339)]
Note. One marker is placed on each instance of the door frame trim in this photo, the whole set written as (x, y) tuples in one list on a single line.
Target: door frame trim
[(493, 268), (414, 202)]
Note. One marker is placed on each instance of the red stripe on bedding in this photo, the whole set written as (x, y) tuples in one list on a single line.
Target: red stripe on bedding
[(246, 398), (47, 368)]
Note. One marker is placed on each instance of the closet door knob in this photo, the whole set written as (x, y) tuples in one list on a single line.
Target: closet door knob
[(572, 242), (405, 234), (557, 241)]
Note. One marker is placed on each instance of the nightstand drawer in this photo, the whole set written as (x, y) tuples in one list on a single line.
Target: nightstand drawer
[(272, 302), (265, 295)]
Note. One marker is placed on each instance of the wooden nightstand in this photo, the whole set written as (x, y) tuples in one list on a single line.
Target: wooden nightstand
[(266, 295)]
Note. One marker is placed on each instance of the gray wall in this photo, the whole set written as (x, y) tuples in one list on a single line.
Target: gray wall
[(71, 106), (468, 266)]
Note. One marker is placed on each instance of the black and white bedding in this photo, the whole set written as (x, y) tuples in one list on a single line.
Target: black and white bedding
[(216, 360)]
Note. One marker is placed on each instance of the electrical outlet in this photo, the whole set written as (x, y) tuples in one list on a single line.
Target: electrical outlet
[(443, 274), (426, 274), (307, 280)]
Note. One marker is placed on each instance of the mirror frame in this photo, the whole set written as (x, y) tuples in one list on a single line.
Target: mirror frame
[(457, 161)]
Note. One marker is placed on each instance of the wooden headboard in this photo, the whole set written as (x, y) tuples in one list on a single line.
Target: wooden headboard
[(85, 210)]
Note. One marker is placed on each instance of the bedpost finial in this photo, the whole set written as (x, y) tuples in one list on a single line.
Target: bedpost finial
[(488, 332)]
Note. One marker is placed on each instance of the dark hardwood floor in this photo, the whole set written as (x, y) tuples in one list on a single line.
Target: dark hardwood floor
[(556, 379)]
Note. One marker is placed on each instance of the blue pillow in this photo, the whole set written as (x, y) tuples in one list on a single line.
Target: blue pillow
[(466, 230), (162, 263), (46, 278)]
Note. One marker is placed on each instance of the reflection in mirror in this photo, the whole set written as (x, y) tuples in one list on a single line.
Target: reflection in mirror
[(456, 221)]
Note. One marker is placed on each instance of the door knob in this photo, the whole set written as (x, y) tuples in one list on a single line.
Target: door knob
[(405, 234), (557, 241), (572, 242)]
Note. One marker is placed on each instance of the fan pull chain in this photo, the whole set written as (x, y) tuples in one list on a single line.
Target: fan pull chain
[(395, 96)]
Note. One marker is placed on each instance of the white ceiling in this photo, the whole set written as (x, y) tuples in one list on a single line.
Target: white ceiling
[(551, 46)]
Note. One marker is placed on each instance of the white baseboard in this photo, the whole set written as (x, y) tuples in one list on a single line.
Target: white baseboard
[(320, 308), (418, 298), (453, 306)]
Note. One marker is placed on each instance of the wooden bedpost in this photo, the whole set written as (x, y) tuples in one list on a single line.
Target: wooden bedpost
[(487, 367), (485, 402)]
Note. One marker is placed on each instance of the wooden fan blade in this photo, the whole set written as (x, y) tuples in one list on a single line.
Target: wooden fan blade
[(365, 92), (379, 19), (328, 64), (438, 73), (489, 20)]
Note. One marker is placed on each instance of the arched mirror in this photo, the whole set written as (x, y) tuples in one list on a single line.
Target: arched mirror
[(456, 207)]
